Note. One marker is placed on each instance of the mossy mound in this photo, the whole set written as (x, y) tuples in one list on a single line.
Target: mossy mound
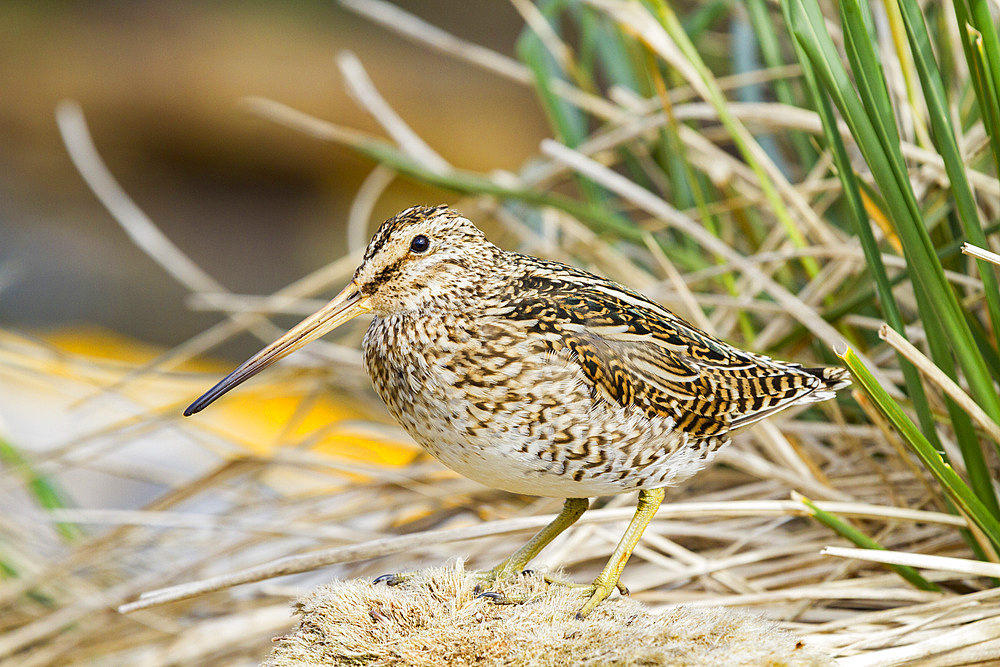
[(435, 619)]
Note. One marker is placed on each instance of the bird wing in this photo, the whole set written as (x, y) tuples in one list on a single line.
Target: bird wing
[(635, 352)]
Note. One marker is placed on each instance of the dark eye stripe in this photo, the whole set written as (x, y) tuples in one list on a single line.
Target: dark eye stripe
[(385, 275)]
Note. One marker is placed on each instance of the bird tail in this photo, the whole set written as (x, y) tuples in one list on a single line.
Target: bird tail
[(833, 379)]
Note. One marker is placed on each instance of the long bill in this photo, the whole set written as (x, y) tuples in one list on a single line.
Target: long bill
[(345, 306)]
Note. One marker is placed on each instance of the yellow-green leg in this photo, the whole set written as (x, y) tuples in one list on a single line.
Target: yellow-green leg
[(572, 510), (649, 502)]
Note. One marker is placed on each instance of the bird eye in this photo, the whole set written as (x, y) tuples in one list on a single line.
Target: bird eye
[(420, 244)]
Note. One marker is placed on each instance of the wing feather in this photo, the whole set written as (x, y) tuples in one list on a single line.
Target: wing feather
[(638, 353)]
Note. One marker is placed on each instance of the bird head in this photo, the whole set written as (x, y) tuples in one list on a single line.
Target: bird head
[(422, 255), (419, 256)]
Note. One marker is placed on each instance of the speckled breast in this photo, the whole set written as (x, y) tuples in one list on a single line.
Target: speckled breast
[(495, 403)]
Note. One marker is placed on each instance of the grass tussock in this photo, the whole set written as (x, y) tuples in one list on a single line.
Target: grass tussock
[(435, 619)]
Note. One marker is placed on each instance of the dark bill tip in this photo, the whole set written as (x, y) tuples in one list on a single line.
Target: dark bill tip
[(244, 372), (210, 396)]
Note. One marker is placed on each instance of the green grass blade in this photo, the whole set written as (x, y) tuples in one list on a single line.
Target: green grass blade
[(881, 150), (873, 255), (770, 50), (957, 490), (604, 48), (965, 432), (859, 38), (569, 122), (45, 492), (947, 145), (687, 182), (744, 59), (703, 16), (984, 22), (975, 58), (848, 531), (740, 137), (986, 91), (907, 69)]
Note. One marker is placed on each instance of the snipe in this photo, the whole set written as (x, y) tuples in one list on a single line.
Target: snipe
[(535, 377)]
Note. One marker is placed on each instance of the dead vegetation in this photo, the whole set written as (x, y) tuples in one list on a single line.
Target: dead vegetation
[(435, 619), (301, 476)]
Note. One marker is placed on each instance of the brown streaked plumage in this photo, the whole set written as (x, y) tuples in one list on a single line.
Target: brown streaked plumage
[(535, 377)]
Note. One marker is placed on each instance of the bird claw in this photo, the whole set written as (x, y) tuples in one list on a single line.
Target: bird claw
[(598, 591), (498, 598), (393, 579), (491, 595), (500, 573)]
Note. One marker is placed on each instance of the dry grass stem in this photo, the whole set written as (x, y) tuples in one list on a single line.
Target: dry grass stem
[(391, 545), (980, 253), (404, 23), (361, 87), (938, 377), (143, 232), (959, 565)]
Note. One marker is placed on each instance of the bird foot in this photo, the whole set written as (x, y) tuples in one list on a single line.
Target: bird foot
[(595, 592), (499, 573), (394, 579), (585, 588), (502, 572), (598, 592)]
